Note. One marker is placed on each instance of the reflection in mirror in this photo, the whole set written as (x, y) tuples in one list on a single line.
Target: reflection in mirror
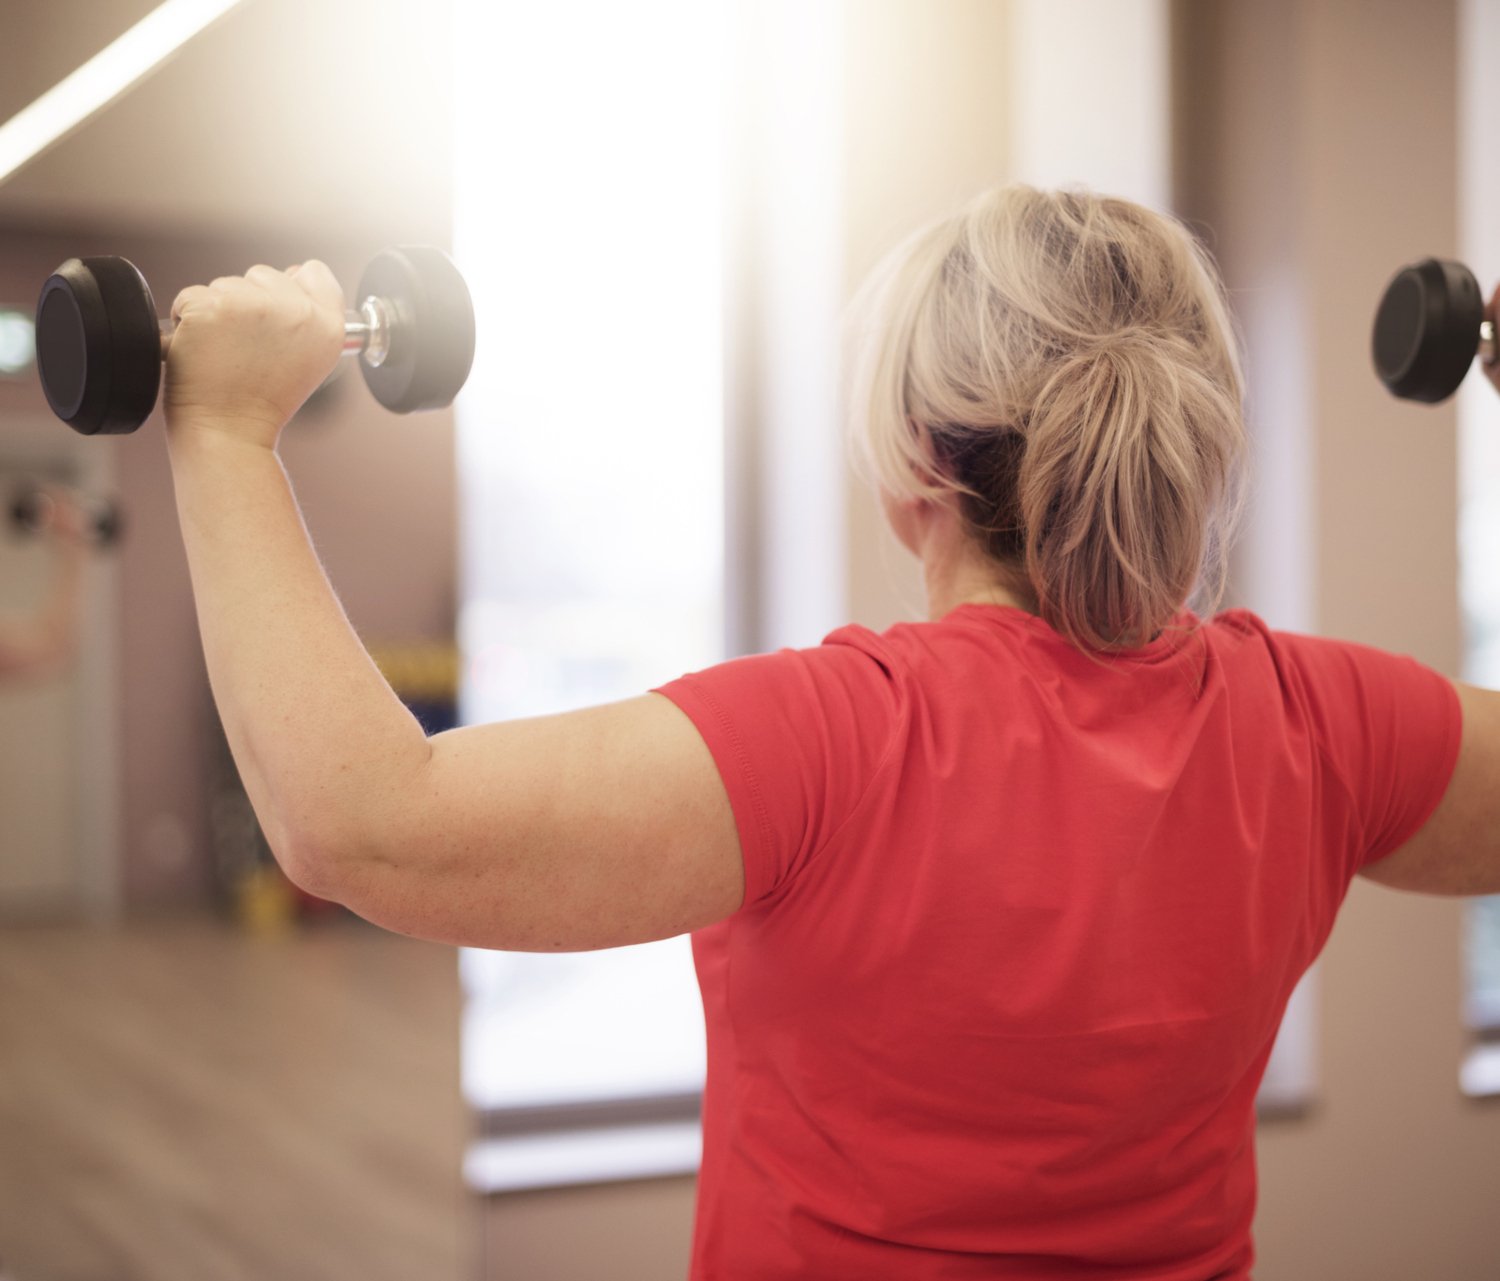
[(43, 564), (203, 1071)]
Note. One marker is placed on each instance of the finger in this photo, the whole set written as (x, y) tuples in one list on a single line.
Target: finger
[(321, 284), (192, 296), (268, 280), (280, 284), (266, 277)]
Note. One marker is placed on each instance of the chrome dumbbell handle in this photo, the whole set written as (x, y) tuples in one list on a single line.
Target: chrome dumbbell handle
[(367, 332)]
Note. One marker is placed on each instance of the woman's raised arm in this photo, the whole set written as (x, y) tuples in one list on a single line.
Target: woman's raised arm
[(590, 829), (1457, 851), (579, 831)]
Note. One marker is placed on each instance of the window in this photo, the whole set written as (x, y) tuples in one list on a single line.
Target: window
[(1484, 964), (588, 223), (17, 343), (1479, 499), (1479, 524)]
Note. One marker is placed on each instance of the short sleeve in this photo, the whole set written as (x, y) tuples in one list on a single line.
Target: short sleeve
[(798, 736), (1390, 729)]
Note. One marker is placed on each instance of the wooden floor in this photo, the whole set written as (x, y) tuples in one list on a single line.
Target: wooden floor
[(182, 1102)]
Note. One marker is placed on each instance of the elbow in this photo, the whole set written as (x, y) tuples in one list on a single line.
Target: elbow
[(347, 866), (360, 878), (348, 848), (316, 865)]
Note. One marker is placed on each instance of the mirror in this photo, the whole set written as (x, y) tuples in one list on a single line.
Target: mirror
[(203, 1071)]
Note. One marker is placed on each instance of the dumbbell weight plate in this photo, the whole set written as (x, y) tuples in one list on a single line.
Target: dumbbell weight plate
[(1427, 330), (432, 328), (107, 523), (98, 345), (25, 512)]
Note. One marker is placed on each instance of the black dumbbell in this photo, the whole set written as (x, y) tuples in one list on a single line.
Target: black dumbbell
[(1428, 328), (100, 346), (30, 513)]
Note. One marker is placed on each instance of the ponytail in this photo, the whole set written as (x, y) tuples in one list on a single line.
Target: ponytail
[(1123, 472), (1063, 366)]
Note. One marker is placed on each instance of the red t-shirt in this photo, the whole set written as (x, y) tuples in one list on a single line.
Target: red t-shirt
[(1019, 927)]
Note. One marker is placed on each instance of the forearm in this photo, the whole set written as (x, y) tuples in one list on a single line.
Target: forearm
[(325, 749)]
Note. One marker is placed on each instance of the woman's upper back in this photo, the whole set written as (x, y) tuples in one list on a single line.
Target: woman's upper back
[(1019, 928)]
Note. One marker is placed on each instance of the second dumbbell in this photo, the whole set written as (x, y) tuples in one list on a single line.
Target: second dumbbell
[(100, 345), (1428, 328)]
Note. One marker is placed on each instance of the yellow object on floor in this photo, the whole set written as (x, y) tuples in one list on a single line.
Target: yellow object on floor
[(264, 902)]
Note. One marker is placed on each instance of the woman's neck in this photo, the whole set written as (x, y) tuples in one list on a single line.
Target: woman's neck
[(955, 569), (943, 600), (961, 574)]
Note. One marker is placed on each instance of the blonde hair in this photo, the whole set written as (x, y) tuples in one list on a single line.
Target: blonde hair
[(1063, 366)]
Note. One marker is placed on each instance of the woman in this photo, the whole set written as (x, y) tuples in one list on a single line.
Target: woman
[(995, 914), (43, 644)]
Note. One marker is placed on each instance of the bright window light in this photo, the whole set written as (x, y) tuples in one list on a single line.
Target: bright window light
[(1479, 491), (17, 343), (103, 78), (587, 222)]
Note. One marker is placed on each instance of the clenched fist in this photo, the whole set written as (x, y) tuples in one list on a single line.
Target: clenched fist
[(248, 350)]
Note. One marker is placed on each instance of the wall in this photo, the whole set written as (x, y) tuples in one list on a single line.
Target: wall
[(1317, 151), (1075, 64), (378, 495), (927, 103), (282, 114)]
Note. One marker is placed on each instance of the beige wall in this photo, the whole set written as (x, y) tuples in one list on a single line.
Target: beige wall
[(927, 102), (1317, 149)]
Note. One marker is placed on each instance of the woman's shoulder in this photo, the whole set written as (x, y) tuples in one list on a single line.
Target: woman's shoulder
[(1233, 636), (1290, 648), (1007, 627)]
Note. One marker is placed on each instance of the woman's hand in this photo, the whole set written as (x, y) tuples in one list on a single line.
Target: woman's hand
[(248, 350), (59, 515), (66, 519)]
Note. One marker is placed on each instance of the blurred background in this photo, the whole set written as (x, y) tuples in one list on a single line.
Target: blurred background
[(662, 208)]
